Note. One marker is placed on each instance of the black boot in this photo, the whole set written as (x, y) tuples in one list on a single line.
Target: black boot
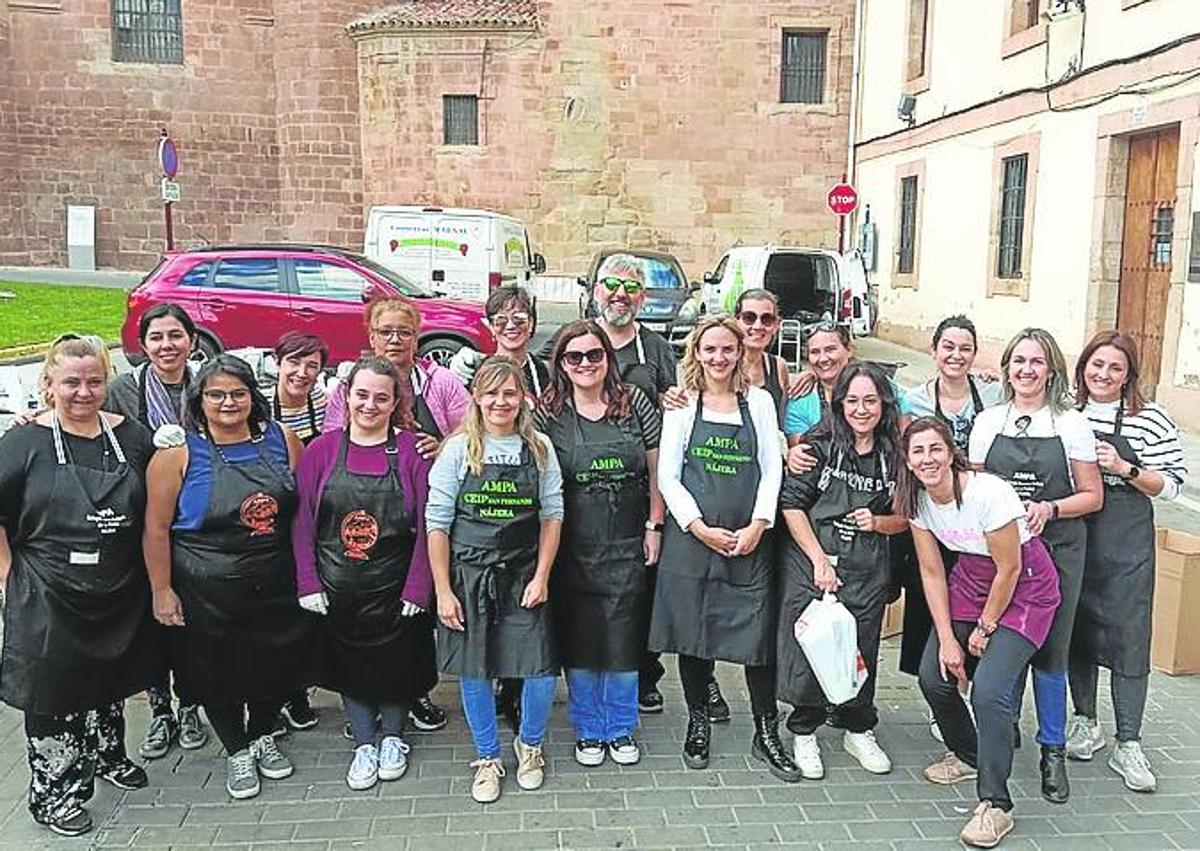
[(718, 709), (1055, 787), (767, 748), (695, 746)]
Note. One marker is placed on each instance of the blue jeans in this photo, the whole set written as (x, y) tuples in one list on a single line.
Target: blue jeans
[(603, 704), (1050, 699), (479, 705)]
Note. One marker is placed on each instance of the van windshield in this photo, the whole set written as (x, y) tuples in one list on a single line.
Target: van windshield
[(402, 284)]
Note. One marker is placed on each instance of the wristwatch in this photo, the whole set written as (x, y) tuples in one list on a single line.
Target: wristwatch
[(1134, 472), (651, 526)]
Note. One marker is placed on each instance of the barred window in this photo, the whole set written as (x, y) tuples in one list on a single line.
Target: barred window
[(1012, 216), (802, 73), (460, 120), (147, 31), (907, 252)]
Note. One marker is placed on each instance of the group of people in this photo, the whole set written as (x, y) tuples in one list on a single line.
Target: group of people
[(505, 520)]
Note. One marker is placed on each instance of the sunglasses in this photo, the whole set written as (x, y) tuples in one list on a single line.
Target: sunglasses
[(1022, 425), (575, 358), (501, 321), (630, 286), (218, 397), (749, 317)]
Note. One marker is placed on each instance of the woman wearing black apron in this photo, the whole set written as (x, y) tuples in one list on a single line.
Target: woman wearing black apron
[(78, 637), (719, 473), (1046, 450), (493, 519), (1140, 458), (839, 518), (217, 543), (361, 561), (435, 400), (605, 434)]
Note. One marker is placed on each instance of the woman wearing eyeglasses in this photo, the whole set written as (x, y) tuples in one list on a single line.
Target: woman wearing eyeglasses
[(1046, 450), (1141, 459), (78, 637), (605, 434), (719, 473), (512, 315), (434, 396), (218, 551)]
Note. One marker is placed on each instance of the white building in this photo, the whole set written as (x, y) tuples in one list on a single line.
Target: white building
[(1045, 176)]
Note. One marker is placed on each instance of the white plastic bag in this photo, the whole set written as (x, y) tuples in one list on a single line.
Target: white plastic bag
[(828, 635)]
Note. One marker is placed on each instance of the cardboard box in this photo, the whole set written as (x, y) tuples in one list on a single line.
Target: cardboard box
[(1175, 648), (893, 618)]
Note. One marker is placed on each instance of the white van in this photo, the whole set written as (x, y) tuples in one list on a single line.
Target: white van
[(456, 252)]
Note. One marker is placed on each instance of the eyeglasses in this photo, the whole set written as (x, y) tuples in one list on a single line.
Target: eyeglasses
[(1022, 425), (395, 333), (218, 397), (630, 286), (575, 358), (501, 321), (749, 317)]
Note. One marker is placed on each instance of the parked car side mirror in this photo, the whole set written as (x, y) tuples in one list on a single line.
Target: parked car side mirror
[(694, 287), (539, 264), (711, 278)]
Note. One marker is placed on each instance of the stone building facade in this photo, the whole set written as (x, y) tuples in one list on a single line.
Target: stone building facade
[(599, 123)]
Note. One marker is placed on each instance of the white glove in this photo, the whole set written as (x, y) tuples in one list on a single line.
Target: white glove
[(317, 603), (408, 609), (463, 364), (167, 436)]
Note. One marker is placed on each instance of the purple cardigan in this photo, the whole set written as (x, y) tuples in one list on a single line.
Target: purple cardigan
[(313, 472), (445, 395)]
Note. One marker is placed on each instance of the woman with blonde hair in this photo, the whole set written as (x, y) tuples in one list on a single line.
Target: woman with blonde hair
[(1046, 450), (78, 636), (493, 522), (719, 473)]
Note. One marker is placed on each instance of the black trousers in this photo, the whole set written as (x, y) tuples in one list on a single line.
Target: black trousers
[(1128, 697), (989, 746), (66, 752), (238, 724), (651, 670), (696, 674)]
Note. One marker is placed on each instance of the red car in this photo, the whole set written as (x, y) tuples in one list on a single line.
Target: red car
[(249, 295)]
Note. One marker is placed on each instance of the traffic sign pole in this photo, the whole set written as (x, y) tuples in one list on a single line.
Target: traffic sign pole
[(842, 201), (168, 164)]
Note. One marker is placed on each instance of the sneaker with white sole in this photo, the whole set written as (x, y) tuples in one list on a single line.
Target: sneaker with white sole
[(624, 750), (949, 770), (162, 731), (806, 753), (936, 731), (589, 752), (272, 764), (1129, 760), (530, 765), (1084, 739), (485, 788), (393, 758), (988, 825), (241, 776), (364, 769), (192, 734), (864, 748)]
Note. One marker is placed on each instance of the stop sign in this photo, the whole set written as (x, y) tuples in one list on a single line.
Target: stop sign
[(843, 199)]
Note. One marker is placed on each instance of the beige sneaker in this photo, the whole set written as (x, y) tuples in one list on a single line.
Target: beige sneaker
[(949, 770), (988, 825), (486, 787), (530, 765)]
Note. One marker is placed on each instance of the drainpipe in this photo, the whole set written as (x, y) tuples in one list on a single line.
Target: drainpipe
[(855, 74)]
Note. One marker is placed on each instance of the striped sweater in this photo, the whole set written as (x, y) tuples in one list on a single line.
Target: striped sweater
[(1152, 435)]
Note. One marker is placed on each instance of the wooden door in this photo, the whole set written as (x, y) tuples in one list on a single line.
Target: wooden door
[(1146, 246)]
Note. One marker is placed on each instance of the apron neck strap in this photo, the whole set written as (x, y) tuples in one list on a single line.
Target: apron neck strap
[(1120, 418), (637, 342), (60, 447), (533, 375)]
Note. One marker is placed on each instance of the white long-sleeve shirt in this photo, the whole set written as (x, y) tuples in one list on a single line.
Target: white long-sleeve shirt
[(677, 428)]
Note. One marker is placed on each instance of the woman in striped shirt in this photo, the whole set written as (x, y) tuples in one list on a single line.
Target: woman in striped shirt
[(1141, 459), (299, 402)]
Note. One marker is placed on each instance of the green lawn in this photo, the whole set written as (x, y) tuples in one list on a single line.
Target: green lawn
[(41, 312)]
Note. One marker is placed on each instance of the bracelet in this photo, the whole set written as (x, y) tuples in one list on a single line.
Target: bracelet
[(1054, 510), (651, 526), (985, 629)]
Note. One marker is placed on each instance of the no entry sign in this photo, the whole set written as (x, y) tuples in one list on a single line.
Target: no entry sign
[(843, 199), (168, 157)]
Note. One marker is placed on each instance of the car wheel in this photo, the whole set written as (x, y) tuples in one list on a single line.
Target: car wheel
[(439, 349), (206, 349)]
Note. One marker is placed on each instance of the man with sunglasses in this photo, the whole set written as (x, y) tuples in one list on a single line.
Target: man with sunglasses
[(512, 314)]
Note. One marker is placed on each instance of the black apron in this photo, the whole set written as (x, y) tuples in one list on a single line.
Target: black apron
[(705, 604), (78, 632), (493, 556), (772, 383), (313, 431), (638, 373), (244, 638), (863, 566), (960, 440), (365, 540), (599, 580), (1112, 623), (1038, 470)]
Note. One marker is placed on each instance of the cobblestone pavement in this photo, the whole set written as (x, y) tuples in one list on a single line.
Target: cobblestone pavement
[(657, 804)]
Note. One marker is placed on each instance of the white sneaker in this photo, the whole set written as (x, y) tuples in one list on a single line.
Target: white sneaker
[(1129, 760), (935, 730), (864, 748), (807, 755), (1084, 738), (364, 770), (393, 758)]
